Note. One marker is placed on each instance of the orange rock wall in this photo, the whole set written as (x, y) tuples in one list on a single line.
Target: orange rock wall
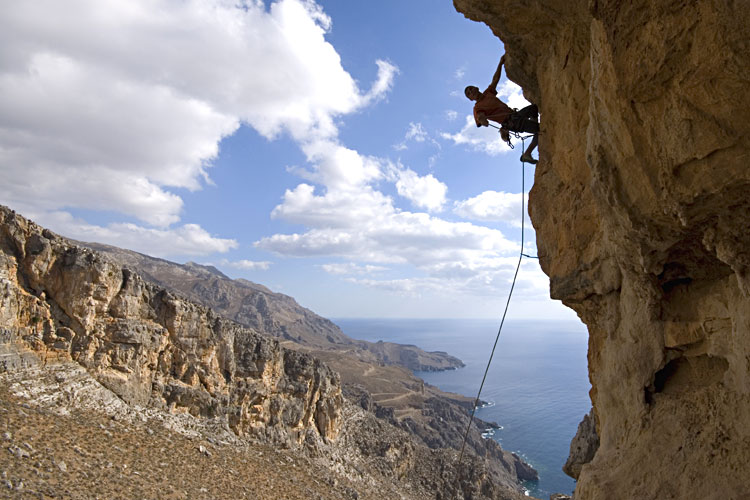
[(641, 205)]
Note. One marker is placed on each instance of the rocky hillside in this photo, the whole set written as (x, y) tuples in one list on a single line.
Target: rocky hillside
[(84, 341), (641, 209), (270, 313), (64, 435), (152, 348), (381, 369)]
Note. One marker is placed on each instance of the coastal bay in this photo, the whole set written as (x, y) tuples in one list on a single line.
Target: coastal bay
[(537, 387)]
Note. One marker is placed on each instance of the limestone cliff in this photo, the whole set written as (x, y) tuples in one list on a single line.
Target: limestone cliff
[(641, 204), (65, 302)]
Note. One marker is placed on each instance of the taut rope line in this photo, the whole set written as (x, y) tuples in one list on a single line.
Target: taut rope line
[(507, 304)]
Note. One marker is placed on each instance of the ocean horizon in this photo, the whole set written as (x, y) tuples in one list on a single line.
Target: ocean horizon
[(537, 386)]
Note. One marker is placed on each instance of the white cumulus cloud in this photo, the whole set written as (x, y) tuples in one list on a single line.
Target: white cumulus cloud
[(111, 106), (416, 132), (351, 268), (482, 278), (187, 239), (368, 228), (493, 206), (485, 139), (423, 191), (512, 95), (247, 265), (346, 215)]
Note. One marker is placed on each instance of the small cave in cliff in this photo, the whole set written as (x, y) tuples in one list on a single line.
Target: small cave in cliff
[(688, 261), (684, 374), (688, 274)]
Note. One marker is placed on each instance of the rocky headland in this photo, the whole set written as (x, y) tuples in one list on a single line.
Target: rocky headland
[(91, 350), (641, 205)]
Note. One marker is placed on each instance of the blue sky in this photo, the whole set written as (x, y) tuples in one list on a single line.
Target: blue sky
[(322, 149)]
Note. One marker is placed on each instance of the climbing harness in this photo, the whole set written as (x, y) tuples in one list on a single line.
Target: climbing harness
[(513, 284), (506, 132), (506, 135)]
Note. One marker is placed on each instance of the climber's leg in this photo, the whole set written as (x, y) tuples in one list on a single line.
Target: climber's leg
[(526, 156)]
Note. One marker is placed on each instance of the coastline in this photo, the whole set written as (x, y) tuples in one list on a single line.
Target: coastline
[(536, 390)]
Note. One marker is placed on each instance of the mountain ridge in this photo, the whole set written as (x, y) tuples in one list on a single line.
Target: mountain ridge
[(240, 299)]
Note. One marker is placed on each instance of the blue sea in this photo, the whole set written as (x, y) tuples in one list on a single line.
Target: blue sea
[(538, 382)]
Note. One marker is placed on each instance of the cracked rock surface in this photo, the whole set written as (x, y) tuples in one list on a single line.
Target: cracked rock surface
[(150, 347), (641, 205)]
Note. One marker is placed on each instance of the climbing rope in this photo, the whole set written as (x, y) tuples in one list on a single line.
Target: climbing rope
[(507, 303)]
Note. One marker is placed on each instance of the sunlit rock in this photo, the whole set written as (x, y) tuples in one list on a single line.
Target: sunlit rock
[(641, 205)]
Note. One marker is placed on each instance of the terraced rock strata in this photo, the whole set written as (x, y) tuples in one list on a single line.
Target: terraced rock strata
[(270, 313), (384, 369)]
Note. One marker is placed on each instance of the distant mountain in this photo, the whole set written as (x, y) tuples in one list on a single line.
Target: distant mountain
[(270, 313)]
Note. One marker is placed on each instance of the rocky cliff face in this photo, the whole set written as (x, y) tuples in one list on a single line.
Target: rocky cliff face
[(641, 204), (250, 304), (583, 447), (150, 347)]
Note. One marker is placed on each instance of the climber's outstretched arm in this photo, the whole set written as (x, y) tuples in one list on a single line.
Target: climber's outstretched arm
[(496, 76)]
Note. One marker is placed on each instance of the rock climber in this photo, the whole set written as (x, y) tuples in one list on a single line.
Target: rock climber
[(489, 107)]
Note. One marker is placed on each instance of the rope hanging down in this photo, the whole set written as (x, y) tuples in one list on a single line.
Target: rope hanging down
[(513, 284)]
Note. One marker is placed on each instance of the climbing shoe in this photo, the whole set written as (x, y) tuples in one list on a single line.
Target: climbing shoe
[(526, 158)]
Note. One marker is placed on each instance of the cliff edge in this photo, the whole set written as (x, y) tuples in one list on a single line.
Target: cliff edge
[(63, 303), (641, 209), (270, 313)]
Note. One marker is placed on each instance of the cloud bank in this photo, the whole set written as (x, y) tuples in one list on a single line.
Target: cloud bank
[(121, 106), (494, 206), (116, 105)]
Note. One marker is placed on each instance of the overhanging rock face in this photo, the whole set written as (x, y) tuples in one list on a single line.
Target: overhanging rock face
[(641, 204)]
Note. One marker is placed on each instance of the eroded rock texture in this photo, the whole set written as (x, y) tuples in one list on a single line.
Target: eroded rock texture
[(641, 204), (270, 313), (150, 347), (583, 446)]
